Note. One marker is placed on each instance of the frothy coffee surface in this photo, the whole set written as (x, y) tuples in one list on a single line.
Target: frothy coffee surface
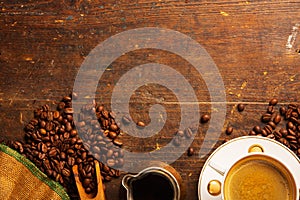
[(256, 180)]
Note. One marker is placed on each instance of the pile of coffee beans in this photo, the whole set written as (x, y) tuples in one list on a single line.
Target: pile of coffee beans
[(101, 139), (281, 124), (53, 144)]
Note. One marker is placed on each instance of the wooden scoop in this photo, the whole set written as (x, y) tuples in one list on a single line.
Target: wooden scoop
[(83, 196)]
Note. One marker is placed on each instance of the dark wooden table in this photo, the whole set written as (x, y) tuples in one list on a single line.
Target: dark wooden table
[(254, 44)]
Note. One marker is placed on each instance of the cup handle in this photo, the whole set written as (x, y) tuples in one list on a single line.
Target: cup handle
[(217, 168)]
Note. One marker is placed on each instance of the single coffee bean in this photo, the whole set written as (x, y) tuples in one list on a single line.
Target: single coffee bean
[(112, 135), (273, 102), (290, 125), (96, 149), (266, 117), (141, 124), (229, 130), (190, 151), (291, 132), (43, 131), (188, 132), (272, 124), (71, 161), (288, 113), (282, 110), (291, 137), (66, 172), (257, 129), (292, 106), (110, 162), (68, 111), (204, 118), (294, 120), (264, 133), (241, 107), (117, 142), (284, 132), (114, 127), (126, 119), (270, 109), (277, 119), (268, 129), (252, 132), (277, 134)]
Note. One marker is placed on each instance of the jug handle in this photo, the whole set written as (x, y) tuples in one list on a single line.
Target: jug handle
[(125, 183)]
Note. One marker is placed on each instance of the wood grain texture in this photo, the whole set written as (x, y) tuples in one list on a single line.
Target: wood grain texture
[(44, 43)]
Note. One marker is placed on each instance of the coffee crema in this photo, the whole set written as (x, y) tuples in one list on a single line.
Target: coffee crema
[(258, 179)]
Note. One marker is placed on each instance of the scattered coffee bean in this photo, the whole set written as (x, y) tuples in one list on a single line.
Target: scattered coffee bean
[(229, 130), (188, 132), (205, 118), (190, 151), (126, 120), (273, 102), (140, 124), (241, 107)]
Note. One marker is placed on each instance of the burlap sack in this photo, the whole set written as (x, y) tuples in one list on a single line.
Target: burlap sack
[(21, 179)]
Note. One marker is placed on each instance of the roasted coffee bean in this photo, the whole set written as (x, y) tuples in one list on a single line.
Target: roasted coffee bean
[(252, 132), (290, 125), (288, 113), (273, 102), (257, 129), (277, 119), (112, 135), (141, 124), (277, 134), (241, 107), (68, 111), (188, 132), (204, 118), (282, 110), (291, 137), (229, 130), (117, 142), (114, 127), (291, 132), (126, 119), (264, 133), (266, 117), (66, 172), (272, 124), (284, 132), (190, 151), (71, 161), (292, 106), (270, 109)]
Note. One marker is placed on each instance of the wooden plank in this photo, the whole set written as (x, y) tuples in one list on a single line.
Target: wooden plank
[(43, 44)]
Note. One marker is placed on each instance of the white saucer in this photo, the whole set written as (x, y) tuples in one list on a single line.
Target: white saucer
[(229, 153)]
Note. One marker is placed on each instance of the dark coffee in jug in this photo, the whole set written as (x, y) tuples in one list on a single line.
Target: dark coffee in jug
[(152, 186)]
